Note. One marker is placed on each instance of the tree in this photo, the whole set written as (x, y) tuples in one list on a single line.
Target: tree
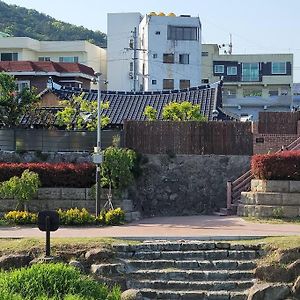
[(174, 111), (81, 114), (14, 103)]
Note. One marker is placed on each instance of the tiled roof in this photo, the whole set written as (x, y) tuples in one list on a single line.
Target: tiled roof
[(130, 106), (44, 66)]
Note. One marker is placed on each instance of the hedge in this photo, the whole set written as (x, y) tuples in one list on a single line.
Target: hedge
[(53, 175), (278, 166)]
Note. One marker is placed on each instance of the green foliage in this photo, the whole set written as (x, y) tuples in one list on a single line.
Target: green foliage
[(184, 111), (115, 217), (53, 281), (151, 113), (21, 217), (22, 189), (116, 169), (19, 21), (75, 216), (81, 114), (14, 103), (278, 213)]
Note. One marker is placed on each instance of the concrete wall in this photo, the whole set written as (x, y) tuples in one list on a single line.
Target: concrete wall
[(185, 185)]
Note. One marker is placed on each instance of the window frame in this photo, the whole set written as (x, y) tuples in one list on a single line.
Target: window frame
[(168, 58), (182, 61), (14, 56), (44, 58), (278, 72), (231, 68), (165, 83), (183, 82), (183, 33), (75, 59), (218, 72)]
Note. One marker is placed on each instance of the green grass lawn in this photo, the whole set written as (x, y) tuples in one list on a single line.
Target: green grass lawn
[(295, 221)]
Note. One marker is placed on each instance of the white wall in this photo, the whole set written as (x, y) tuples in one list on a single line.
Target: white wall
[(119, 28)]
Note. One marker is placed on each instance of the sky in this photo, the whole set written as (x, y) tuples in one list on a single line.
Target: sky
[(257, 26)]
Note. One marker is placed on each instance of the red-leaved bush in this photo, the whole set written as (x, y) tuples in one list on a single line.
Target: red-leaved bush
[(53, 175), (278, 166)]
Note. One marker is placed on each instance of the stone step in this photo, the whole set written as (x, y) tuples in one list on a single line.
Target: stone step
[(181, 246), (191, 264), (188, 255), (193, 295), (191, 275), (191, 285)]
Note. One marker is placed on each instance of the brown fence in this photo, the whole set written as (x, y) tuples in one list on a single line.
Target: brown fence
[(158, 137), (278, 122)]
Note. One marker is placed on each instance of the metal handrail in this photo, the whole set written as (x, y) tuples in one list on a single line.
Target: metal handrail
[(242, 184)]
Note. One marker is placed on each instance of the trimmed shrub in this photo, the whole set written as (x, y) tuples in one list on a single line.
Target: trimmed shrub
[(75, 216), (21, 217), (53, 281), (278, 166), (115, 217), (53, 175)]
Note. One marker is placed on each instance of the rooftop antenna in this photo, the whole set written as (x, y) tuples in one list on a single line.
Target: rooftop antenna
[(227, 48)]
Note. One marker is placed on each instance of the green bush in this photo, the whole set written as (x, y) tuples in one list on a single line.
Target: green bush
[(75, 216), (52, 281), (115, 217), (21, 217)]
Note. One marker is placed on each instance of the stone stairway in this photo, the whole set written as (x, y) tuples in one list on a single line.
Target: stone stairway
[(191, 270)]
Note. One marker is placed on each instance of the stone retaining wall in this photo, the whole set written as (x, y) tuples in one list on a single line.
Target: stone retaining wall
[(271, 198), (185, 184)]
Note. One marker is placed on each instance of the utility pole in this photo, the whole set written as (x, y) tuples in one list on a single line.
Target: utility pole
[(135, 59)]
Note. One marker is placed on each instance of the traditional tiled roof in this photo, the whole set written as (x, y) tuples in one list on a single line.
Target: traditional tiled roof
[(44, 66), (131, 105)]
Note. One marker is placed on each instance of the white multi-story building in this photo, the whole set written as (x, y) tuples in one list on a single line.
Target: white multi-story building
[(154, 52), (28, 49)]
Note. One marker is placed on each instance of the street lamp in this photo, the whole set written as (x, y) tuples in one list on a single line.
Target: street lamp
[(97, 156)]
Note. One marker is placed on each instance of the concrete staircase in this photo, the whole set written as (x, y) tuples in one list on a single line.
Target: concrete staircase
[(191, 270)]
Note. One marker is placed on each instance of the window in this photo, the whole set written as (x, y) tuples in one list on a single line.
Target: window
[(157, 32), (231, 70), (154, 55), (9, 56), (44, 58), (204, 54), (69, 59), (184, 59), (184, 84), (154, 82), (278, 68), (22, 84), (168, 84), (179, 33), (219, 69), (273, 93), (252, 92), (205, 80), (168, 58), (250, 72)]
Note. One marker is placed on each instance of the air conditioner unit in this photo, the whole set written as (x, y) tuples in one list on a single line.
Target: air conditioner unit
[(130, 75)]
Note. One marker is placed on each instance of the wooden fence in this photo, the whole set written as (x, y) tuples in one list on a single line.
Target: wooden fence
[(159, 137), (278, 122)]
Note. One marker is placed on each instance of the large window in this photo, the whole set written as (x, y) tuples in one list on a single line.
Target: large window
[(168, 84), (231, 71), (44, 58), (278, 68), (22, 84), (184, 84), (180, 33), (9, 56), (219, 69), (70, 59), (168, 58), (184, 59), (250, 72)]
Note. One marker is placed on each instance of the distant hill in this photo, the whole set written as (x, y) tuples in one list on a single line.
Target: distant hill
[(19, 21)]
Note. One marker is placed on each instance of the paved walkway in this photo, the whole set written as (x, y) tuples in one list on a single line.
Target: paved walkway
[(168, 227)]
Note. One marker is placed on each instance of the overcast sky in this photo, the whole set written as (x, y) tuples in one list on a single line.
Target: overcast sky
[(257, 26)]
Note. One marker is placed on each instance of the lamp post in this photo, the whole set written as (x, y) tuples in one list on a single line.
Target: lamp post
[(97, 156)]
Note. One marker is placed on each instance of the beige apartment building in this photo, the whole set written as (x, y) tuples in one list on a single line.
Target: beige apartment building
[(252, 82), (28, 49)]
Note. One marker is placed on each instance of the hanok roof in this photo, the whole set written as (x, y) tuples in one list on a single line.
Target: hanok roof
[(44, 67), (131, 105)]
